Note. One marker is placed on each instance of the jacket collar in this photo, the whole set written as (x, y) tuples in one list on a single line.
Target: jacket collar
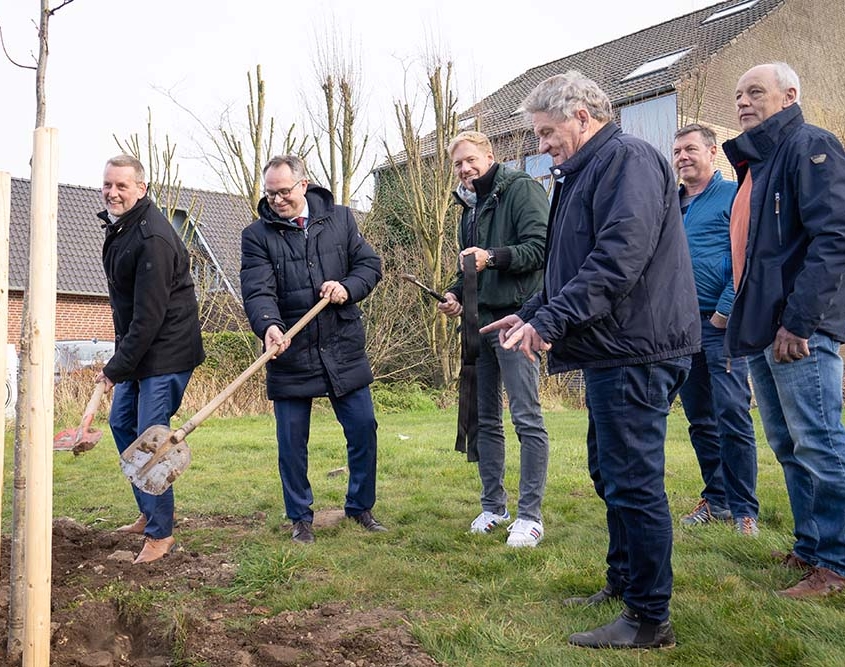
[(760, 142), (320, 206), (587, 151), (135, 213)]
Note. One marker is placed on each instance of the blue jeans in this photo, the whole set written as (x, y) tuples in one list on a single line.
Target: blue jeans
[(137, 405), (355, 413), (521, 379), (721, 430), (801, 408), (628, 407)]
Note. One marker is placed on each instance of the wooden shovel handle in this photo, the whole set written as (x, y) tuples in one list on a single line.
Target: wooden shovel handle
[(94, 402), (204, 413)]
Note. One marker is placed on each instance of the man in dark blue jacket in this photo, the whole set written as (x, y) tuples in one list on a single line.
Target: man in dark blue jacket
[(716, 396), (788, 246), (302, 248), (619, 302), (156, 330)]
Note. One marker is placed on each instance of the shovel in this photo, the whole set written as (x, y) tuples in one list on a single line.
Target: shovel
[(158, 456), (411, 278), (83, 438)]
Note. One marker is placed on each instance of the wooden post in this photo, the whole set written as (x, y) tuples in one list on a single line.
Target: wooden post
[(5, 215), (38, 542)]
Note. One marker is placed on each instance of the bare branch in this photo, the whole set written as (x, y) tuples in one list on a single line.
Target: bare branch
[(55, 9), (9, 58)]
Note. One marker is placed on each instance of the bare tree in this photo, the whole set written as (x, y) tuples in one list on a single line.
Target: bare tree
[(422, 185), (14, 645), (340, 149), (237, 156)]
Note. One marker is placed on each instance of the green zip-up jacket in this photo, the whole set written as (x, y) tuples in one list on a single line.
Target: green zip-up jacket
[(512, 221)]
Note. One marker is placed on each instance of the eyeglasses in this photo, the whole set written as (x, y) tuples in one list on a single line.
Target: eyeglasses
[(284, 192)]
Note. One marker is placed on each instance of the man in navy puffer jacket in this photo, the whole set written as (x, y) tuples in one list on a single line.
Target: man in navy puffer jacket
[(302, 248)]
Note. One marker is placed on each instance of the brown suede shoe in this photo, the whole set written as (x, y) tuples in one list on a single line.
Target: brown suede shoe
[(817, 582), (136, 528), (155, 549), (791, 560)]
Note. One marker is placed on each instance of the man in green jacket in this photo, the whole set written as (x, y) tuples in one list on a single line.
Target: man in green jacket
[(504, 224)]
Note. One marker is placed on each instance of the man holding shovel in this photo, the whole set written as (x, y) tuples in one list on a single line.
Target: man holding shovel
[(157, 330), (503, 223), (304, 247)]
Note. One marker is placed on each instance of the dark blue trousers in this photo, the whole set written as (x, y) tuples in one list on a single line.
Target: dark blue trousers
[(628, 407), (137, 405), (355, 413)]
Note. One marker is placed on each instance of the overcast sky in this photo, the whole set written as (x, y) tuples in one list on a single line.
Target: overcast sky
[(110, 60)]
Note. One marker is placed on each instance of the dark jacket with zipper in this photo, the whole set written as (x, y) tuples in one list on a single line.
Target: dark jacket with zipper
[(510, 219), (618, 286), (795, 257), (154, 305), (282, 269)]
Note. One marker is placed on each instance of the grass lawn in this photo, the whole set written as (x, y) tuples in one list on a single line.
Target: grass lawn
[(473, 601)]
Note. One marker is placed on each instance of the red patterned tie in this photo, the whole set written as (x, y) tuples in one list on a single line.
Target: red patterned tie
[(300, 222)]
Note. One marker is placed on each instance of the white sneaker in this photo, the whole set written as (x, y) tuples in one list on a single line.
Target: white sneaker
[(525, 533), (487, 521)]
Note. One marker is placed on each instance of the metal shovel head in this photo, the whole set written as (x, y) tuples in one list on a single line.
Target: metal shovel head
[(76, 440), (152, 463)]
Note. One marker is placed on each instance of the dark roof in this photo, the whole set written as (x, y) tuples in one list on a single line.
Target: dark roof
[(80, 236), (610, 63)]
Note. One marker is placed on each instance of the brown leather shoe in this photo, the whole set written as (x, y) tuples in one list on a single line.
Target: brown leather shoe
[(817, 582), (136, 528), (791, 560), (155, 549)]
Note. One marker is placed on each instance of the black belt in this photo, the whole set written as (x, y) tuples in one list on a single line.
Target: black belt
[(707, 314)]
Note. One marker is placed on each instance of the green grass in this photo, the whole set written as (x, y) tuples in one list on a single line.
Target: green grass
[(472, 601)]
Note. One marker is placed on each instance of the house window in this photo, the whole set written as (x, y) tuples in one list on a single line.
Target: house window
[(538, 167), (653, 120), (730, 11), (657, 64)]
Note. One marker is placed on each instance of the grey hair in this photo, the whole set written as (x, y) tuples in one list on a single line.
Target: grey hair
[(787, 78), (562, 95), (129, 161), (293, 162)]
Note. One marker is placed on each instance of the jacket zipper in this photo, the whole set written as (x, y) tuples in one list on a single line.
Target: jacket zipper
[(777, 215)]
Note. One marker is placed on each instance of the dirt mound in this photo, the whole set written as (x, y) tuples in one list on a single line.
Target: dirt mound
[(105, 612)]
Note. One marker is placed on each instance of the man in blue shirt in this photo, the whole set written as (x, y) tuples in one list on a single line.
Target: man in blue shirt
[(716, 396)]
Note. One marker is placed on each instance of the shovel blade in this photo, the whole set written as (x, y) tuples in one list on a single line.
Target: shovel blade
[(170, 462)]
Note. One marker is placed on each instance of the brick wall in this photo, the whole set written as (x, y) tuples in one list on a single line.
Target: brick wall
[(77, 317), (807, 34)]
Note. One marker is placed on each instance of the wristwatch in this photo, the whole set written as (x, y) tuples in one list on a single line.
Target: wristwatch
[(491, 258)]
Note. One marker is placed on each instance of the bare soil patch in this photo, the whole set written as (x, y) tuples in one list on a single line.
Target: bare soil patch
[(95, 622)]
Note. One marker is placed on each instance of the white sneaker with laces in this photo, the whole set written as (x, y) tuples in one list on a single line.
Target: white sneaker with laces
[(487, 521), (525, 533)]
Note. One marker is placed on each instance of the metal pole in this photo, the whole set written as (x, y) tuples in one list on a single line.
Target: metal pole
[(5, 215)]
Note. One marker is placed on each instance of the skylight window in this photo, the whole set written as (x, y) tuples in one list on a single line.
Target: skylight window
[(658, 64), (730, 11)]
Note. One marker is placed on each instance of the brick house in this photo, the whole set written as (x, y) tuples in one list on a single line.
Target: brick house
[(685, 70), (212, 220)]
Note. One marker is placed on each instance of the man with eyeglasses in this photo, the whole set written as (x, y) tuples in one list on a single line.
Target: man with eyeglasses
[(304, 247)]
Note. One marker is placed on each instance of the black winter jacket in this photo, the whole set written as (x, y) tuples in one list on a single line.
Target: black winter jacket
[(511, 220), (795, 257), (618, 286), (154, 305), (282, 269)]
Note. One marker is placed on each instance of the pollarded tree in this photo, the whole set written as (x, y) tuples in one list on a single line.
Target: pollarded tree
[(420, 183), (339, 144)]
